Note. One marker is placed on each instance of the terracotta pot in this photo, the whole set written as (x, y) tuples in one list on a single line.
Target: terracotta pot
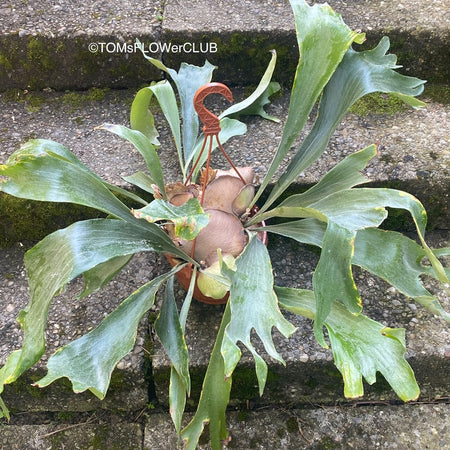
[(184, 276)]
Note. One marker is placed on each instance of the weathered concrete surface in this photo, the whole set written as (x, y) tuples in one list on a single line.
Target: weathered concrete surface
[(413, 152), (415, 426), (47, 44), (43, 44), (245, 31), (70, 318), (363, 427), (310, 375), (116, 435)]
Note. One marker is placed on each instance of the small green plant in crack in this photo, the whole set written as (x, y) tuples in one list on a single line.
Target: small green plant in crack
[(188, 219)]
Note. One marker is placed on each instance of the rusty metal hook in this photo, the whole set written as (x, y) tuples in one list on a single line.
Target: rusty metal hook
[(211, 125), (211, 121)]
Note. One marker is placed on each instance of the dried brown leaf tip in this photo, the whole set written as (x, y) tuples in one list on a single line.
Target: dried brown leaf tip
[(156, 192), (209, 175), (178, 194)]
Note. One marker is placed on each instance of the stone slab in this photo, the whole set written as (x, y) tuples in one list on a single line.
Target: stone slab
[(310, 375), (48, 17), (69, 45), (70, 318), (413, 153), (73, 125), (74, 436), (43, 44), (245, 30), (415, 426), (382, 426)]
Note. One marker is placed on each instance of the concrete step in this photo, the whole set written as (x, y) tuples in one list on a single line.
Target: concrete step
[(364, 426), (310, 375), (412, 155), (142, 376), (69, 46), (69, 319)]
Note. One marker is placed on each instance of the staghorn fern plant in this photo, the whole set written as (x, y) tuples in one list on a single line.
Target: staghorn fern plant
[(334, 215)]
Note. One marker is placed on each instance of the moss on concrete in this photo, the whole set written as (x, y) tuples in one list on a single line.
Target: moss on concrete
[(437, 93), (38, 57), (29, 221), (240, 58), (77, 99), (378, 103), (100, 435), (32, 100), (65, 416), (433, 198), (63, 63)]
